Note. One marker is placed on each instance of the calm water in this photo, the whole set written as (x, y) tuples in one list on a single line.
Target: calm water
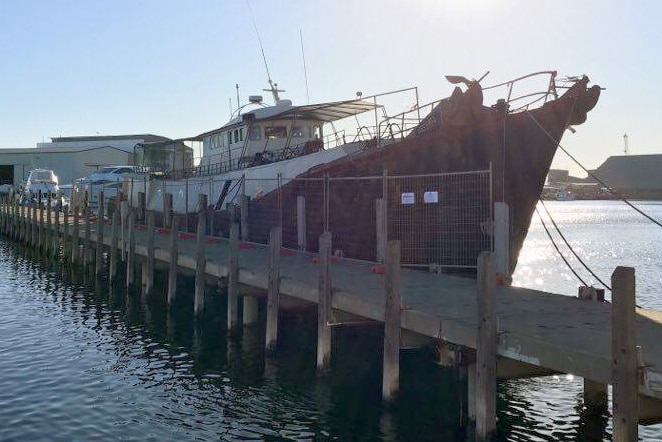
[(80, 362)]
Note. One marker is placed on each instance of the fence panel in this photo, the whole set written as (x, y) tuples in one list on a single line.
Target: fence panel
[(443, 220), (351, 216), (263, 208)]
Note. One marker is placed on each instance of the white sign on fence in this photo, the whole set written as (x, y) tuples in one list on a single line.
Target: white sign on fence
[(407, 198), (431, 197)]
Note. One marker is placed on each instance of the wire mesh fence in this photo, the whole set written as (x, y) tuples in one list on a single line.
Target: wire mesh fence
[(442, 220)]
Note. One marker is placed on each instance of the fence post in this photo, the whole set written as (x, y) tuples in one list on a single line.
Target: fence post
[(486, 359), (301, 222), (273, 291), (167, 211), (392, 309), (624, 356), (243, 214), (324, 304), (380, 217), (199, 302), (502, 240), (141, 206)]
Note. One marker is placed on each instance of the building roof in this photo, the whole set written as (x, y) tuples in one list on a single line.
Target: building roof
[(147, 138), (57, 150), (638, 172)]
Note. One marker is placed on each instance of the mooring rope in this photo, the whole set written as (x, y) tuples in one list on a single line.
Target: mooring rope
[(581, 261), (558, 250), (618, 195)]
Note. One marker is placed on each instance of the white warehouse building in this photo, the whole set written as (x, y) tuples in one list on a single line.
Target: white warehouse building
[(71, 157)]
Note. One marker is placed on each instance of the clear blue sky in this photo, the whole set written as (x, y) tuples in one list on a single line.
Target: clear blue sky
[(169, 67)]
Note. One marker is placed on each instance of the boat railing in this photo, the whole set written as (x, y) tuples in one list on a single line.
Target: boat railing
[(526, 100), (401, 124)]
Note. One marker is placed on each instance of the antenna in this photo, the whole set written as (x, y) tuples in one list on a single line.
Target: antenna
[(305, 71), (238, 102), (273, 87), (625, 144)]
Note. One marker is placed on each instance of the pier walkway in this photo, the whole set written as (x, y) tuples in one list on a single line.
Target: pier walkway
[(537, 333)]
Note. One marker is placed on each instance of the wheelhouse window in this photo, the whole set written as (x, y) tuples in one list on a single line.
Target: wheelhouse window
[(254, 133), (275, 132), (300, 132)]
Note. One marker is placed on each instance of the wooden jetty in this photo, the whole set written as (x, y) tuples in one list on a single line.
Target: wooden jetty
[(491, 332)]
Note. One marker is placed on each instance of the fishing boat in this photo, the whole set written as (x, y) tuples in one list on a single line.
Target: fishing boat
[(436, 171)]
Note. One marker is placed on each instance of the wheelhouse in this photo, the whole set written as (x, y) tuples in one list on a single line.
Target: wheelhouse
[(273, 133)]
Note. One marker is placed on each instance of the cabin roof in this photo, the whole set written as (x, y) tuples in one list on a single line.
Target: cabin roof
[(323, 112)]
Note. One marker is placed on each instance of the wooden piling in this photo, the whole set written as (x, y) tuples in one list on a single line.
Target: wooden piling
[(18, 220), (87, 248), (595, 393), (273, 290), (486, 380), (48, 244), (56, 231), (233, 279), (21, 219), (40, 228), (75, 240), (324, 304), (33, 226), (392, 309), (131, 249), (201, 262), (624, 356), (98, 260), (174, 256), (66, 243), (114, 240), (148, 278), (124, 221)]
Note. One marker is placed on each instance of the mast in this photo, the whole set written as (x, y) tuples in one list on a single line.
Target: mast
[(273, 88)]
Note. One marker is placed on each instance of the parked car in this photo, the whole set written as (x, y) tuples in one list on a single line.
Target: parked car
[(114, 174)]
